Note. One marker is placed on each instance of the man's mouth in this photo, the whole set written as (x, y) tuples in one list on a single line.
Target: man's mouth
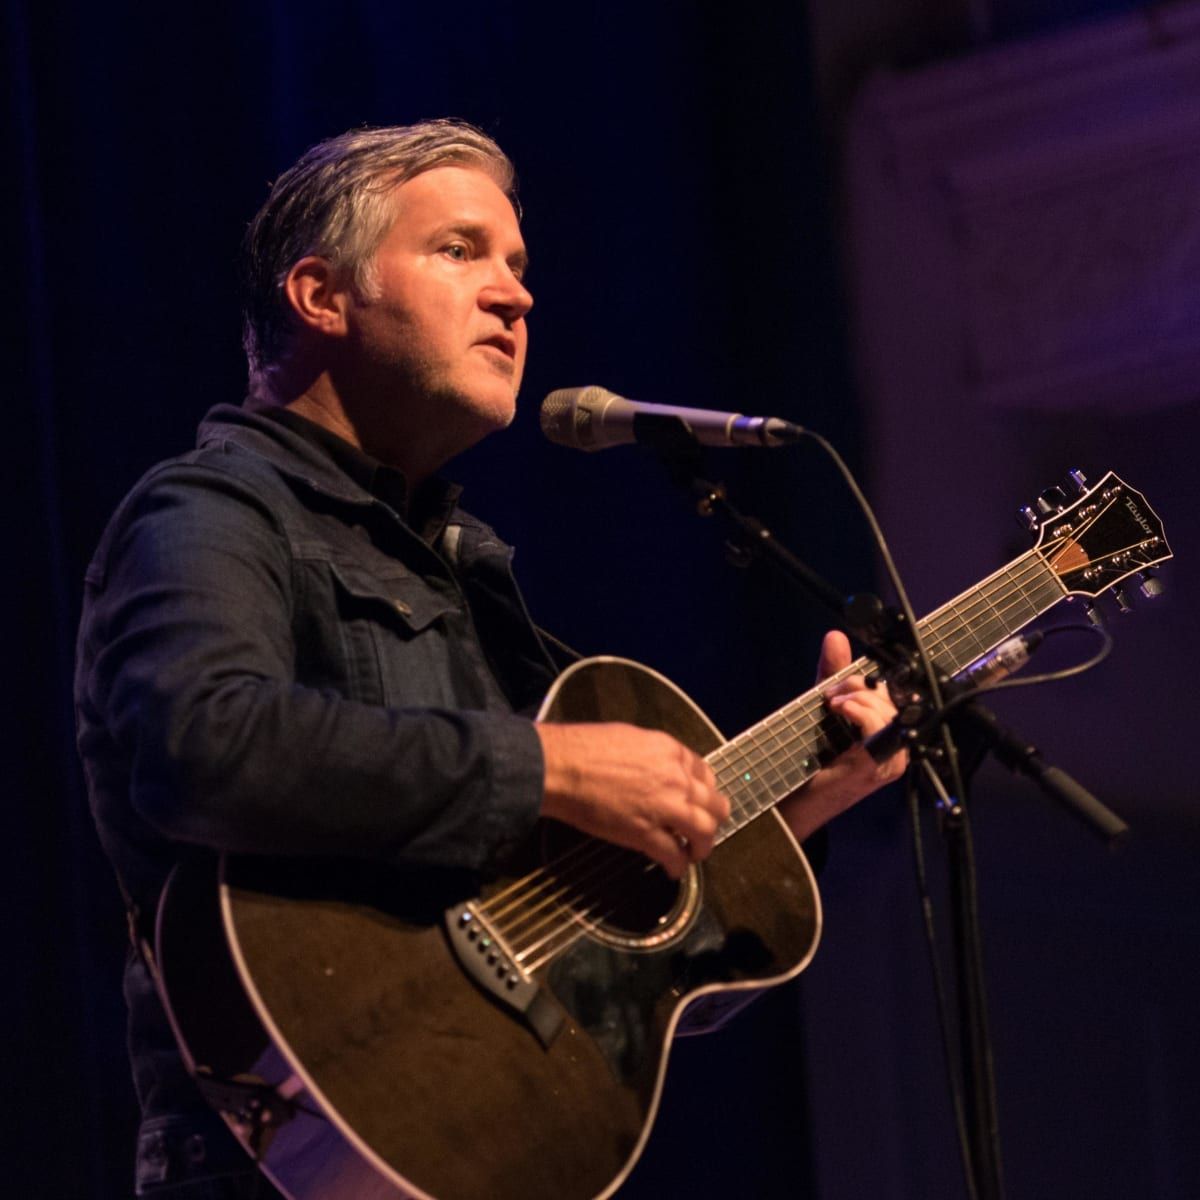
[(504, 342)]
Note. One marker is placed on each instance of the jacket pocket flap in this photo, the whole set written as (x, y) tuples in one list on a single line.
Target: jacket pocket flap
[(406, 596)]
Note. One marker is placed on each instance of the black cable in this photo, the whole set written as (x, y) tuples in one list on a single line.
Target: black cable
[(939, 984), (976, 1040)]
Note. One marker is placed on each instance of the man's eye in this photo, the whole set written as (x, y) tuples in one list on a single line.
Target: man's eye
[(457, 251)]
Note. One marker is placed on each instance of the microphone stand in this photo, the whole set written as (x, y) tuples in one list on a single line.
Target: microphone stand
[(886, 632), (671, 440), (975, 1051), (921, 729)]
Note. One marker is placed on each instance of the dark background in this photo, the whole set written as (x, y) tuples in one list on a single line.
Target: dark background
[(680, 175)]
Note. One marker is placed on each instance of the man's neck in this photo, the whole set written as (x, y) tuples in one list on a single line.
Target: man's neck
[(317, 399)]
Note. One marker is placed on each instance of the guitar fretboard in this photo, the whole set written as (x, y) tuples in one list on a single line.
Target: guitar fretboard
[(772, 759)]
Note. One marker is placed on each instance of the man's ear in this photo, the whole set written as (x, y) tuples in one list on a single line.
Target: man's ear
[(315, 296)]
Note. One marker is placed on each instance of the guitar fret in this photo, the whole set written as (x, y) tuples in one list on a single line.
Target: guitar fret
[(1021, 596), (996, 623), (773, 757), (777, 756)]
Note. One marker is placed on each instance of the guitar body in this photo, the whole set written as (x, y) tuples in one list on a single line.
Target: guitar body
[(393, 1073)]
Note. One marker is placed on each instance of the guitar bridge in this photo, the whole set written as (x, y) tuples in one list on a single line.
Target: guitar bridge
[(487, 960)]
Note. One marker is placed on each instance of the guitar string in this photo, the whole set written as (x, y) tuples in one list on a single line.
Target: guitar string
[(731, 768), (578, 921), (573, 929), (590, 915), (1014, 576), (512, 889), (603, 858), (599, 850), (575, 921), (952, 612), (772, 761)]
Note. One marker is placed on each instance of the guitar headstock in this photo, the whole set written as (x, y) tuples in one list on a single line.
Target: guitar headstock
[(1104, 537)]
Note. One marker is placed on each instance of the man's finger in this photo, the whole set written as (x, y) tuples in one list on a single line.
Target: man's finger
[(835, 654), (665, 848), (860, 710)]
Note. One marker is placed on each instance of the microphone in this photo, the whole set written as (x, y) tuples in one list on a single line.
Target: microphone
[(593, 418)]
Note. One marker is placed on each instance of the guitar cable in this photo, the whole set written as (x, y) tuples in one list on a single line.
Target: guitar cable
[(1046, 676)]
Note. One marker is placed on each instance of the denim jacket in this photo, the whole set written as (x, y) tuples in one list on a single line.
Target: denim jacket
[(271, 661)]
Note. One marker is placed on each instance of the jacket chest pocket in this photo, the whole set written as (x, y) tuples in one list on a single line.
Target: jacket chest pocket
[(391, 633)]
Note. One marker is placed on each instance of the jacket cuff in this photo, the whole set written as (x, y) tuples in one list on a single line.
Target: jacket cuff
[(517, 785)]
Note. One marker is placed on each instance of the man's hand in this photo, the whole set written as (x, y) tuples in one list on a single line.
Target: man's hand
[(635, 787), (854, 774)]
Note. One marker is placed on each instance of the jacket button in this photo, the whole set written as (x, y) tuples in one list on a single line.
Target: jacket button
[(403, 609)]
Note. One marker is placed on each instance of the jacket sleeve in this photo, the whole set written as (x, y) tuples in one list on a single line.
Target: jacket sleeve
[(189, 679)]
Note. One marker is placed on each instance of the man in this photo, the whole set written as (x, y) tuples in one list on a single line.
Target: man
[(294, 641)]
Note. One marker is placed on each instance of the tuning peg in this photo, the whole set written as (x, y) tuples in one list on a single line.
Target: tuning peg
[(1149, 584), (1093, 614), (1052, 500), (1118, 594), (1078, 480), (1028, 518)]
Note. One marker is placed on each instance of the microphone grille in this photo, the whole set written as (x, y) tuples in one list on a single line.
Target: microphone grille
[(568, 416), (557, 414)]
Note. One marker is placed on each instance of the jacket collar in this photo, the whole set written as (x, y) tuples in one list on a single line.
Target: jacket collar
[(290, 453)]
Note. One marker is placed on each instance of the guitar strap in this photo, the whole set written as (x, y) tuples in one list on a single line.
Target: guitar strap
[(140, 924), (139, 937)]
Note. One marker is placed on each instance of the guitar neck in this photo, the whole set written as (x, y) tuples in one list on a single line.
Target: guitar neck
[(772, 759)]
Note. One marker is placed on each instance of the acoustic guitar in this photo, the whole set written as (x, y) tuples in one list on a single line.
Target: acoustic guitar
[(375, 1037)]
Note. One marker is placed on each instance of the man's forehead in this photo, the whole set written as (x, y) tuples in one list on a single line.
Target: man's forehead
[(452, 192)]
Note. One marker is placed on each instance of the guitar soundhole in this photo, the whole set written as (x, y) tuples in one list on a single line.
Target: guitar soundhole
[(620, 897)]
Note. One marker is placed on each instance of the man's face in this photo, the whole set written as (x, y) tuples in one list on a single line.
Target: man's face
[(442, 342)]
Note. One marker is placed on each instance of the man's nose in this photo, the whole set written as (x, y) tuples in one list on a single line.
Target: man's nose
[(506, 294)]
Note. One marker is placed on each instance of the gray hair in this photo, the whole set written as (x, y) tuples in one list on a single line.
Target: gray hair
[(336, 202)]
